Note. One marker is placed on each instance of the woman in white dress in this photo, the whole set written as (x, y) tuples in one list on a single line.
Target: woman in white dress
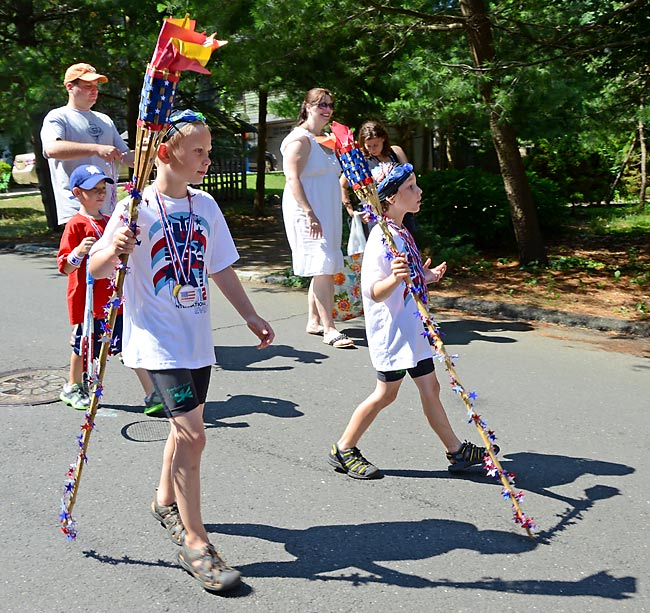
[(311, 207)]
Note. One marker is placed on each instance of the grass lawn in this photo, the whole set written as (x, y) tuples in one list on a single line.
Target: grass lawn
[(599, 263), (23, 219)]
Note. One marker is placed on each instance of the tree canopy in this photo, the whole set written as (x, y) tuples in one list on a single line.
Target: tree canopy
[(569, 77)]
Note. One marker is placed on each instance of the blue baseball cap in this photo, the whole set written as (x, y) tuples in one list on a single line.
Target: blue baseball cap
[(87, 176)]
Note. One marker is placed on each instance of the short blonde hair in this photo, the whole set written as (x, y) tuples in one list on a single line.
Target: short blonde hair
[(181, 132)]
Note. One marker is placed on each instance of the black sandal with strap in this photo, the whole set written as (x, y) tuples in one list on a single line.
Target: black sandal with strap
[(468, 455), (211, 572), (170, 519)]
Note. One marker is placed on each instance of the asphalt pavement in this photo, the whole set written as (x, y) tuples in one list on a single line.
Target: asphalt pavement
[(569, 407)]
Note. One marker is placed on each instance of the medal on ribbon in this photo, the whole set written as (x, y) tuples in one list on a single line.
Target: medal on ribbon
[(185, 294)]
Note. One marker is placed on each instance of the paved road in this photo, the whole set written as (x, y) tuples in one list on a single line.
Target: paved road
[(570, 409)]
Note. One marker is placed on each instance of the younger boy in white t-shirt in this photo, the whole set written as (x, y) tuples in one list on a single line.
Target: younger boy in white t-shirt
[(396, 338)]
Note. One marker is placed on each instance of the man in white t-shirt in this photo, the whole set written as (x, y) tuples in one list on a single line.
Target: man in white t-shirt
[(73, 135)]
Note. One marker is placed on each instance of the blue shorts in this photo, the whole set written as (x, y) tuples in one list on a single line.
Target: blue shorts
[(116, 342), (423, 367), (181, 389)]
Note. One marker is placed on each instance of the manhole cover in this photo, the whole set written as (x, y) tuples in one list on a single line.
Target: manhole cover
[(147, 431), (32, 386)]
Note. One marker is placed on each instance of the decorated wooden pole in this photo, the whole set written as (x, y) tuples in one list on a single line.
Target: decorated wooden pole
[(178, 48), (357, 172)]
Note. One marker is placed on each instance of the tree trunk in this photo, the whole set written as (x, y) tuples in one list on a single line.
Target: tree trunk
[(258, 209), (621, 170), (644, 159), (26, 36), (522, 207), (132, 111), (450, 158), (425, 164), (43, 172)]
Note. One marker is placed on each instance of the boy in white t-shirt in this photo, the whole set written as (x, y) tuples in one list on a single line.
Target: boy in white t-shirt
[(183, 241), (396, 338)]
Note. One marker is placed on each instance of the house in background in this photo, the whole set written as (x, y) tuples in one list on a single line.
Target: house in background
[(276, 127)]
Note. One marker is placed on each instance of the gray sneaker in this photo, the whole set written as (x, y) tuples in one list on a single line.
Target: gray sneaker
[(74, 396)]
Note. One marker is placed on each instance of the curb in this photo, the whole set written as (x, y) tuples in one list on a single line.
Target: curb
[(254, 276), (551, 316), (470, 305)]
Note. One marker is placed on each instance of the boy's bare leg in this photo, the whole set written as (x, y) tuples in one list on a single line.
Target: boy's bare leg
[(429, 389), (145, 380), (165, 494), (384, 394), (76, 369), (185, 473)]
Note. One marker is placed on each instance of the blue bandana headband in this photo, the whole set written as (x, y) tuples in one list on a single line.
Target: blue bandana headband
[(180, 118), (391, 183)]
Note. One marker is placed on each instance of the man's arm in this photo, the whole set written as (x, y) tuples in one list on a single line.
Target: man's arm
[(69, 150)]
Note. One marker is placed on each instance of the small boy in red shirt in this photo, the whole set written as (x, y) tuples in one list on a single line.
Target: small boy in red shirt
[(88, 184)]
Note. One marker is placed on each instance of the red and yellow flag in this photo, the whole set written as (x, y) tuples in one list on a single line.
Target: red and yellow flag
[(180, 48)]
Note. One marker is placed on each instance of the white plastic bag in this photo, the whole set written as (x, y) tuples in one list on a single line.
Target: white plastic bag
[(357, 240)]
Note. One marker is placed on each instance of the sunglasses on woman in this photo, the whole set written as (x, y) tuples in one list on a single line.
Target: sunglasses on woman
[(324, 105)]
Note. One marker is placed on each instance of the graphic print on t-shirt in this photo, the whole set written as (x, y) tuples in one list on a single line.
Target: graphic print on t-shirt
[(95, 131), (181, 272)]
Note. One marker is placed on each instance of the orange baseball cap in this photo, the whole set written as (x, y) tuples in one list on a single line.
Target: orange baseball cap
[(85, 72)]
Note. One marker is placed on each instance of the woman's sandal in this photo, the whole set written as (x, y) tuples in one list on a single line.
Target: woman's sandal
[(340, 341), (170, 519), (211, 572)]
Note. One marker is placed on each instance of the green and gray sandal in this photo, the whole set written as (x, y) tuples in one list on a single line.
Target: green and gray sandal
[(207, 567), (170, 519)]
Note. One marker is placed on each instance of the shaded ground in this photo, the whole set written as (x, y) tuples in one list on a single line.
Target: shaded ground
[(598, 275), (606, 276), (261, 241), (594, 275)]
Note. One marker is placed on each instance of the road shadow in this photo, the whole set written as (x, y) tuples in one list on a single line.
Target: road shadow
[(466, 331), (242, 590), (537, 473), (244, 358), (153, 428), (358, 335), (372, 548), (241, 405)]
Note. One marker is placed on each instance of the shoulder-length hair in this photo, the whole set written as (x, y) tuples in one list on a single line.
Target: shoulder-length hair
[(373, 129), (313, 96)]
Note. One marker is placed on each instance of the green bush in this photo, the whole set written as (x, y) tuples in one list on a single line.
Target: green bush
[(552, 209), (457, 251), (581, 176), (5, 175), (472, 203)]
